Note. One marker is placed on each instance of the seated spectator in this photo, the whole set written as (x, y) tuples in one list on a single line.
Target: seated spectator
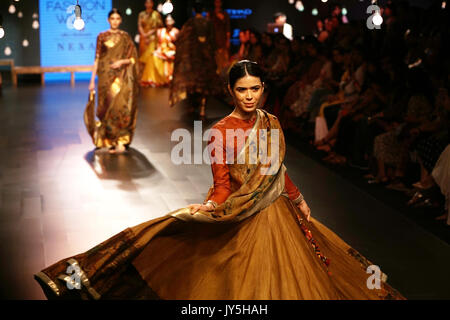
[(432, 139), (314, 63), (340, 104), (441, 175)]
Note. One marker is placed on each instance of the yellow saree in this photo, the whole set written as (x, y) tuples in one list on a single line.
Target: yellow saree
[(148, 44), (255, 246), (117, 92)]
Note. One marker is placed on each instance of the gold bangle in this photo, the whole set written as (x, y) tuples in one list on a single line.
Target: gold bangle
[(300, 199)]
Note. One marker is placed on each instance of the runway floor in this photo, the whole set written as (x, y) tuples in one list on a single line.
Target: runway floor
[(58, 198)]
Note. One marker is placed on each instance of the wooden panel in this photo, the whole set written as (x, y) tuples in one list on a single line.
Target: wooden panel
[(7, 62), (42, 70), (37, 69)]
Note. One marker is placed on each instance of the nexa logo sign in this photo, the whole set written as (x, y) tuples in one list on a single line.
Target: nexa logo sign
[(239, 13)]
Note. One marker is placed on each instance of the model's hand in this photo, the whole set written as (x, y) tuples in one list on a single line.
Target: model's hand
[(117, 64), (303, 207), (91, 86), (203, 207)]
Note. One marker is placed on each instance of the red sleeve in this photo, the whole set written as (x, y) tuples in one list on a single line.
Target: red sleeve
[(290, 188), (220, 171)]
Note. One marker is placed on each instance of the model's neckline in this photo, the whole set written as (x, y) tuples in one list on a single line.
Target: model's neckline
[(248, 120)]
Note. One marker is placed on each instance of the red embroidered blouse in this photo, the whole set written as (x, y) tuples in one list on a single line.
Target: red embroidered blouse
[(221, 172)]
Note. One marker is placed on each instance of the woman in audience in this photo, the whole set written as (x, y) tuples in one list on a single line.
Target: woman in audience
[(432, 139)]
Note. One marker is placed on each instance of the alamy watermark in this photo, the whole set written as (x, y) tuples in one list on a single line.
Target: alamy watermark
[(73, 281), (258, 147), (375, 20), (374, 281)]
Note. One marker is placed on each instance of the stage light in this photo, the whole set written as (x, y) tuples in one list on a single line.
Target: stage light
[(25, 43), (324, 1), (444, 4), (377, 19), (167, 7), (344, 19), (12, 9), (159, 8), (344, 11), (291, 1), (35, 15), (315, 12), (2, 31), (35, 24), (128, 11), (299, 6), (7, 51), (78, 24), (20, 14), (137, 38)]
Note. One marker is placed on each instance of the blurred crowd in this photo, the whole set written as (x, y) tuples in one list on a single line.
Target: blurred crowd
[(375, 100)]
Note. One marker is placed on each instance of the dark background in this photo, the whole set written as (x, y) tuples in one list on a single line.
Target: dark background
[(303, 23)]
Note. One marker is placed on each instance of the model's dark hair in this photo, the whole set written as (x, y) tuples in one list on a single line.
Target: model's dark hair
[(241, 69), (113, 11)]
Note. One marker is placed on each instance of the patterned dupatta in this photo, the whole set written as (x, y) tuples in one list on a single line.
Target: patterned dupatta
[(262, 177)]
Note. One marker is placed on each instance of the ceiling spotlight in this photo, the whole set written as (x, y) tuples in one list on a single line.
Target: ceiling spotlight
[(299, 6), (25, 43), (128, 12), (78, 24), (7, 51), (35, 15), (159, 7), (291, 1), (12, 9), (377, 19), (20, 14), (137, 38), (2, 31), (315, 12), (324, 1), (35, 24), (344, 11), (167, 7)]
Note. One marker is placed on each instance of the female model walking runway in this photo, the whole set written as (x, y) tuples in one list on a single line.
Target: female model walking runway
[(115, 65), (253, 237)]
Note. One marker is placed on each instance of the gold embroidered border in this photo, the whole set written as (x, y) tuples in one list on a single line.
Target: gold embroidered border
[(49, 282)]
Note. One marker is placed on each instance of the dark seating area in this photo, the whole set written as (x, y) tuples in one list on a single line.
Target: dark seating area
[(371, 104)]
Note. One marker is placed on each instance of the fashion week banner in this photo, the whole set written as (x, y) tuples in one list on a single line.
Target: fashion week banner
[(61, 43)]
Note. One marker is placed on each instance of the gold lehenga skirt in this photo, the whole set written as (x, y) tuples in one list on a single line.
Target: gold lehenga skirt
[(263, 257)]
